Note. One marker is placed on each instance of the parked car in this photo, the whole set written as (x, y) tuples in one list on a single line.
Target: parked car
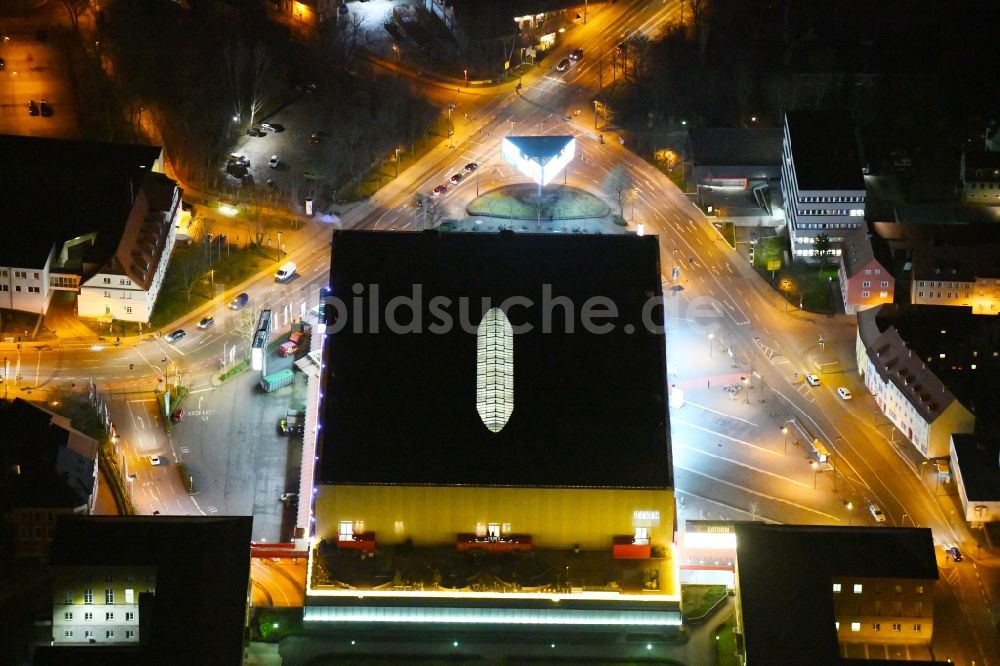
[(439, 190), (877, 513), (155, 460), (470, 167), (177, 416), (256, 131), (577, 54), (239, 302), (844, 393), (955, 553), (285, 272), (206, 322), (274, 127), (273, 162), (174, 336), (813, 380), (456, 179), (315, 138), (291, 346), (45, 108), (32, 108), (563, 65)]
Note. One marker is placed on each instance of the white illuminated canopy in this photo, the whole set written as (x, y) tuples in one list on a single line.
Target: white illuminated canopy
[(540, 158), (495, 369)]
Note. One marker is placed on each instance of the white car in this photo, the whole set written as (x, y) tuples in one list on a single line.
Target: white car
[(844, 393), (813, 380), (877, 513), (154, 460), (273, 162)]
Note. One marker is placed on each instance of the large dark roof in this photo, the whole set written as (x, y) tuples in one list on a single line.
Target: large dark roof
[(860, 248), (736, 146), (979, 466), (785, 582), (905, 344), (202, 578), (54, 464), (824, 151), (65, 189), (589, 409), (957, 263)]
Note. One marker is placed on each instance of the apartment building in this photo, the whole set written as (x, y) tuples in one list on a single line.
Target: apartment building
[(821, 180), (965, 276), (980, 177), (865, 278), (975, 461), (928, 367), (98, 604)]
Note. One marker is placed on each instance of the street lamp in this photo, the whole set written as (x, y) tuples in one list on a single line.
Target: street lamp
[(784, 431), (711, 336), (397, 162), (279, 245)]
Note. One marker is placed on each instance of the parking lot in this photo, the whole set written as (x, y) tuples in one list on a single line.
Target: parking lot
[(35, 70)]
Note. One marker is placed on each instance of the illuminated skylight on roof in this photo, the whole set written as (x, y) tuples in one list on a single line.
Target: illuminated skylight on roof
[(495, 369)]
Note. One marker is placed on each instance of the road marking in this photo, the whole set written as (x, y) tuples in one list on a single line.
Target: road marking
[(709, 409), (719, 434), (759, 494), (743, 465), (728, 506)]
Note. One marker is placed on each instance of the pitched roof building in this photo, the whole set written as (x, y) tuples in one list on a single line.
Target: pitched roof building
[(865, 273), (966, 276), (804, 592), (48, 469)]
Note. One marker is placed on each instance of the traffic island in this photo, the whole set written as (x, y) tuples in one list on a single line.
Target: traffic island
[(523, 202)]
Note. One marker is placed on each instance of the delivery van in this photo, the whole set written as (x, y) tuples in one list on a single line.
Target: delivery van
[(285, 272)]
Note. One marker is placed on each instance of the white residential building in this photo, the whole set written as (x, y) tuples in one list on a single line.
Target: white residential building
[(821, 180), (98, 604), (900, 353)]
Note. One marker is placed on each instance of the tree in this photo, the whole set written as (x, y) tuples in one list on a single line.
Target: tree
[(260, 76), (191, 268), (822, 246), (618, 184), (75, 9)]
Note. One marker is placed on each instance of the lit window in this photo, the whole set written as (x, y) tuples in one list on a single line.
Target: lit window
[(88, 596), (109, 596), (855, 626), (346, 530), (398, 527), (857, 588), (877, 627), (837, 625), (916, 627), (919, 589), (495, 369), (129, 596), (897, 627), (480, 529), (493, 531), (836, 587), (641, 536)]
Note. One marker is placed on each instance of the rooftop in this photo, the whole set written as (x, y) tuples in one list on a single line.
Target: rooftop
[(860, 248), (46, 462), (979, 466), (957, 263), (737, 146), (589, 409), (825, 151), (788, 612), (934, 353), (66, 189), (203, 574)]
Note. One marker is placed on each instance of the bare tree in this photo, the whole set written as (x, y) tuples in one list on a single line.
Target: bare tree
[(618, 184), (260, 78), (234, 60), (246, 323), (256, 222), (75, 9), (191, 268)]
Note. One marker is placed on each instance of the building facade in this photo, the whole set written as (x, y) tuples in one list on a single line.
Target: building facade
[(98, 604), (966, 276), (865, 280), (898, 367), (975, 462), (884, 610), (980, 177), (821, 180)]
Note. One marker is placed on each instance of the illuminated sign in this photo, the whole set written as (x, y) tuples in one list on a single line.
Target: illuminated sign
[(645, 518), (540, 158)]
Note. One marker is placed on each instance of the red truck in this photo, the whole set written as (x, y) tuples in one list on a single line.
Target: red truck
[(292, 346)]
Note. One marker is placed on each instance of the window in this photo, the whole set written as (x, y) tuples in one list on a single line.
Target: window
[(107, 280), (88, 596), (20, 274), (877, 627), (3, 273), (129, 633), (884, 284), (916, 627), (837, 625), (836, 587), (641, 536), (857, 588), (129, 596), (17, 288), (919, 589), (855, 626), (495, 369), (34, 290), (346, 530), (88, 634), (4, 287), (88, 616), (67, 616), (68, 634), (128, 309), (109, 617), (866, 283), (897, 608), (866, 294), (878, 271), (918, 608), (493, 531), (897, 627), (109, 633), (67, 596), (480, 529), (883, 294), (109, 596), (35, 275), (129, 616)]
